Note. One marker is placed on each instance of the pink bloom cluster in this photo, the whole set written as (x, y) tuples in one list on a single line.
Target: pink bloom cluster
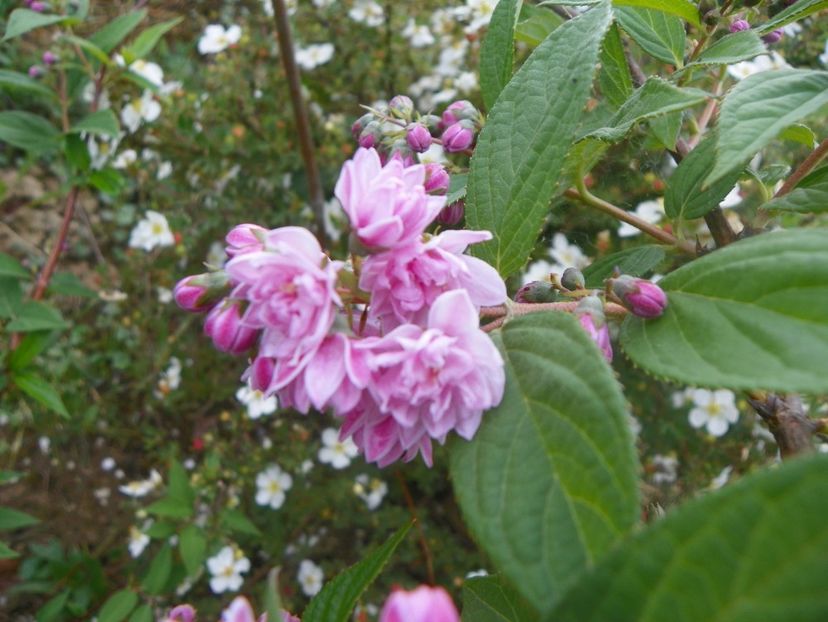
[(398, 354)]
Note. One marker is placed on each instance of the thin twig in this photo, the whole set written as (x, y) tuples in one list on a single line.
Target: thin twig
[(57, 248), (803, 169), (300, 113), (412, 508)]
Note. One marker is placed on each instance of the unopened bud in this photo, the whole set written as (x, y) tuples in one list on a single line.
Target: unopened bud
[(201, 292), (243, 239), (437, 180), (643, 298), (49, 57), (536, 292), (401, 151), (401, 107), (739, 25), (182, 613), (774, 36), (224, 326), (260, 372), (371, 135), (360, 124), (36, 71), (452, 214), (38, 7), (458, 111), (458, 137), (418, 137), (573, 279), (590, 313)]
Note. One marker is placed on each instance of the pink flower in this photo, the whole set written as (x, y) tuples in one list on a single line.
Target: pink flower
[(437, 179), (182, 613), (246, 238), (387, 205), (425, 604), (241, 611), (404, 282), (291, 290), (225, 327), (459, 110)]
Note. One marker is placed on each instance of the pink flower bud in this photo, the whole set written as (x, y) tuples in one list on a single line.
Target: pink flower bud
[(437, 179), (246, 238), (224, 326), (359, 124), (425, 604), (201, 292), (774, 36), (643, 298), (459, 111), (590, 312), (38, 7), (49, 57), (401, 107), (418, 137), (459, 136), (36, 71), (739, 25), (371, 135), (451, 214), (182, 613), (260, 372)]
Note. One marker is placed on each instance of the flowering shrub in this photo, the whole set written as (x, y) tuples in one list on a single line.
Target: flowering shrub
[(581, 247)]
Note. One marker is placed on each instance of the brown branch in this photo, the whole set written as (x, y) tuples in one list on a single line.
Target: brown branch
[(412, 508), (803, 169), (786, 419), (300, 113), (54, 254)]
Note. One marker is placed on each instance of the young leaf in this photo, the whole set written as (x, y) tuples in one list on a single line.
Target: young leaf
[(118, 606), (11, 519), (107, 180), (171, 508), (522, 149), (37, 388), (53, 609), (614, 78), (102, 122), (635, 261), (732, 48), (660, 35), (535, 24), (801, 134), (85, 44), (235, 520), (10, 267), (549, 482), (29, 347), (28, 131), (6, 552), (457, 188), (179, 488), (489, 599), (33, 316), (149, 38), (748, 316), (338, 598), (760, 107), (143, 614), (756, 550), (193, 547), (273, 603), (24, 20), (108, 37), (498, 50), (14, 81), (159, 571), (793, 13), (77, 152), (811, 198), (666, 128), (681, 8)]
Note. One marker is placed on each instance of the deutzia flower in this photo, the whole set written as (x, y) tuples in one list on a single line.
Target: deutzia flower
[(419, 36), (217, 39), (227, 567), (142, 487), (335, 452), (649, 211), (151, 72), (165, 169), (367, 12), (272, 484), (101, 148), (466, 82), (715, 410), (125, 159), (153, 230), (310, 577), (481, 14), (141, 109), (255, 401), (742, 70), (314, 55), (371, 490), (138, 541), (567, 255)]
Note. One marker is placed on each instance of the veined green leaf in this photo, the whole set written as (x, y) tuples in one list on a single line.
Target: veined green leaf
[(108, 37), (33, 316), (457, 188), (85, 44), (522, 149), (23, 20), (28, 131), (118, 606), (810, 196), (11, 519), (498, 50), (680, 8), (14, 81), (614, 78), (549, 482), (793, 13), (159, 571), (635, 261), (38, 389), (732, 48), (489, 599), (102, 122), (10, 267), (192, 544), (660, 35), (801, 134), (535, 24), (666, 128), (748, 316), (146, 41)]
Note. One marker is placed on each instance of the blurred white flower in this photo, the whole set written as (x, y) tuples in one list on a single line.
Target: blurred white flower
[(140, 109), (435, 154), (165, 169), (665, 469), (216, 38), (715, 410), (466, 81), (823, 58), (170, 378), (226, 568), (680, 398), (721, 479), (733, 198), (126, 158), (452, 58), (107, 464), (142, 487), (272, 484), (256, 402), (44, 443), (314, 55), (310, 577), (418, 36), (335, 452), (151, 72), (151, 231), (101, 149), (323, 4), (138, 541), (165, 295), (473, 574), (367, 12), (334, 218), (648, 211), (538, 271), (306, 467), (765, 62), (566, 254), (480, 14), (371, 490)]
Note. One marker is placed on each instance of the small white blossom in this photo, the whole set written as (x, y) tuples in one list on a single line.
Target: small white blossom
[(566, 254), (538, 271), (765, 62), (216, 38), (165, 295), (170, 378), (665, 469), (306, 467), (101, 149), (715, 410), (310, 577), (153, 230), (255, 402), (371, 490), (226, 568), (44, 443), (138, 541), (418, 36), (480, 14), (139, 110), (823, 58), (271, 484), (165, 169), (721, 479), (466, 82), (107, 464), (649, 211), (473, 574), (151, 72), (125, 159), (314, 55), (335, 452), (142, 487), (367, 12)]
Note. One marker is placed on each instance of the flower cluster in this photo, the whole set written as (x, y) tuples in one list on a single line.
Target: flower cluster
[(390, 341)]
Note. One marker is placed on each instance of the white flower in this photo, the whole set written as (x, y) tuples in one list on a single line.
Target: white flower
[(716, 410), (480, 14), (680, 398), (435, 154), (466, 82), (107, 464), (418, 36), (367, 12), (126, 158), (142, 487), (256, 402), (759, 64), (165, 297), (335, 452), (227, 567), (648, 211), (452, 58), (170, 378), (306, 467), (165, 169), (44, 443), (140, 109), (151, 72), (473, 574), (272, 483), (310, 577), (665, 469), (138, 541), (217, 39), (153, 230), (721, 479), (323, 4), (371, 490), (823, 58), (88, 96), (567, 255), (732, 199), (101, 148), (314, 55), (538, 271)]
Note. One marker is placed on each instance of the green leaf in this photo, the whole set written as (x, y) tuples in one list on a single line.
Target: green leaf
[(76, 152), (103, 122), (793, 13), (38, 389), (24, 20), (193, 547), (107, 180), (28, 131), (171, 508), (635, 261), (801, 134), (614, 78), (53, 609), (489, 599), (118, 606), (160, 530), (655, 97), (237, 521), (498, 50), (11, 519), (29, 347), (159, 571), (660, 35), (337, 599), (67, 284), (457, 188), (686, 196), (549, 482), (755, 550), (149, 38), (11, 296), (273, 603), (7, 552), (108, 37), (523, 147), (759, 107), (680, 8), (535, 24), (805, 198), (732, 48), (748, 316), (143, 614), (94, 51), (666, 129), (14, 81), (33, 316), (10, 267), (179, 488)]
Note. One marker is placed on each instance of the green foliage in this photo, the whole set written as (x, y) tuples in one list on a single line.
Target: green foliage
[(37, 388), (193, 547), (614, 77), (682, 8), (521, 151), (547, 485), (28, 131), (810, 196), (636, 261), (756, 550), (732, 48), (146, 41), (659, 34), (498, 50), (490, 599), (797, 11), (749, 316), (102, 122), (11, 519), (113, 33), (118, 606), (22, 21), (159, 571), (16, 81)]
